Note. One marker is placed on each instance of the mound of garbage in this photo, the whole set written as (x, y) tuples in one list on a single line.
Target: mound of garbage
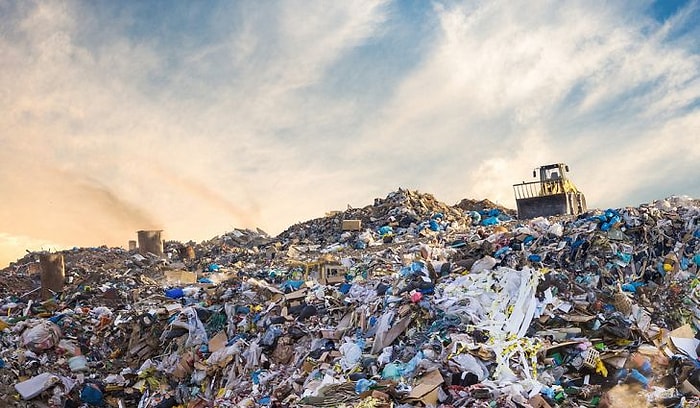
[(405, 302)]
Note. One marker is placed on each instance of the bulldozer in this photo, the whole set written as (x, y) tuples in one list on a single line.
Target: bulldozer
[(553, 194)]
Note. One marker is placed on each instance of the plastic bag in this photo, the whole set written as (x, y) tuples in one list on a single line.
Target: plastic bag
[(363, 385), (484, 264), (351, 355), (470, 364), (385, 230), (476, 217), (197, 333), (385, 357), (43, 336), (271, 335), (252, 356), (231, 319), (408, 369), (391, 371), (223, 356), (556, 230), (490, 221)]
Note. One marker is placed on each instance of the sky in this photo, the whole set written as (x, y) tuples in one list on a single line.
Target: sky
[(200, 117)]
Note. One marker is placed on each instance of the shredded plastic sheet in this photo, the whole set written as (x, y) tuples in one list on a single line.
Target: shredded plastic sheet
[(501, 301)]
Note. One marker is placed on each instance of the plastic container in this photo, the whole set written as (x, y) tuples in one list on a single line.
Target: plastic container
[(78, 363), (591, 357), (34, 386), (638, 377)]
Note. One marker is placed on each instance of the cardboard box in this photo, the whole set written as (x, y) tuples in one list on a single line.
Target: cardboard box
[(352, 225), (332, 273), (331, 334)]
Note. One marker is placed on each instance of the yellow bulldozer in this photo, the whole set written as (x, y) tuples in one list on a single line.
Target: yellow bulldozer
[(553, 194)]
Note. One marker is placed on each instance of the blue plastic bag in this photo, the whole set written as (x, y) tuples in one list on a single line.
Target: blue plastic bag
[(490, 221), (385, 230), (534, 258), (174, 293), (434, 226), (364, 385), (92, 395), (391, 371)]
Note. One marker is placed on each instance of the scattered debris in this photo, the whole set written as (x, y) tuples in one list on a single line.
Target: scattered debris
[(417, 303)]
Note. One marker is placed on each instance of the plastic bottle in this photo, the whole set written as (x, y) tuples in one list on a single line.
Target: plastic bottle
[(638, 377)]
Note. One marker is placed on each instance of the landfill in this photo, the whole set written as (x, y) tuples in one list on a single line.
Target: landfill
[(405, 302)]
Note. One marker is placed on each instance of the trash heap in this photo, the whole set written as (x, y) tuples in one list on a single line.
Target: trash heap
[(417, 303)]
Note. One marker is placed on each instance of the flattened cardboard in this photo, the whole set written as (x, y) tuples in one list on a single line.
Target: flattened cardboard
[(385, 339), (577, 318), (688, 388), (426, 390), (538, 402), (296, 295), (181, 277), (264, 285), (685, 332), (218, 342)]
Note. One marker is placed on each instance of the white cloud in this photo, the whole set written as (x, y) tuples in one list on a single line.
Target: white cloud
[(509, 86), (201, 153)]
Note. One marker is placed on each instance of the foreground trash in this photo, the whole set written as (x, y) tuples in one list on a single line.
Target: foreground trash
[(413, 303)]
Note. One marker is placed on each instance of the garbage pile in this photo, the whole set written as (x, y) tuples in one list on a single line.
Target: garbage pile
[(415, 303)]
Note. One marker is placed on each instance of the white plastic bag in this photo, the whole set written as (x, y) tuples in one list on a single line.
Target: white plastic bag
[(197, 333), (351, 355), (43, 336)]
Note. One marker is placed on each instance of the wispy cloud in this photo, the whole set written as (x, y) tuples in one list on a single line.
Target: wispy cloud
[(198, 135), (199, 119), (508, 86)]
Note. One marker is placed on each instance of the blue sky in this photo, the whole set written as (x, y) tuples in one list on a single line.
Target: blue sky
[(199, 117)]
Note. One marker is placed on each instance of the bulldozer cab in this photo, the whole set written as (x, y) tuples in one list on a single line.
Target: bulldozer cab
[(553, 194), (551, 171), (553, 178)]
